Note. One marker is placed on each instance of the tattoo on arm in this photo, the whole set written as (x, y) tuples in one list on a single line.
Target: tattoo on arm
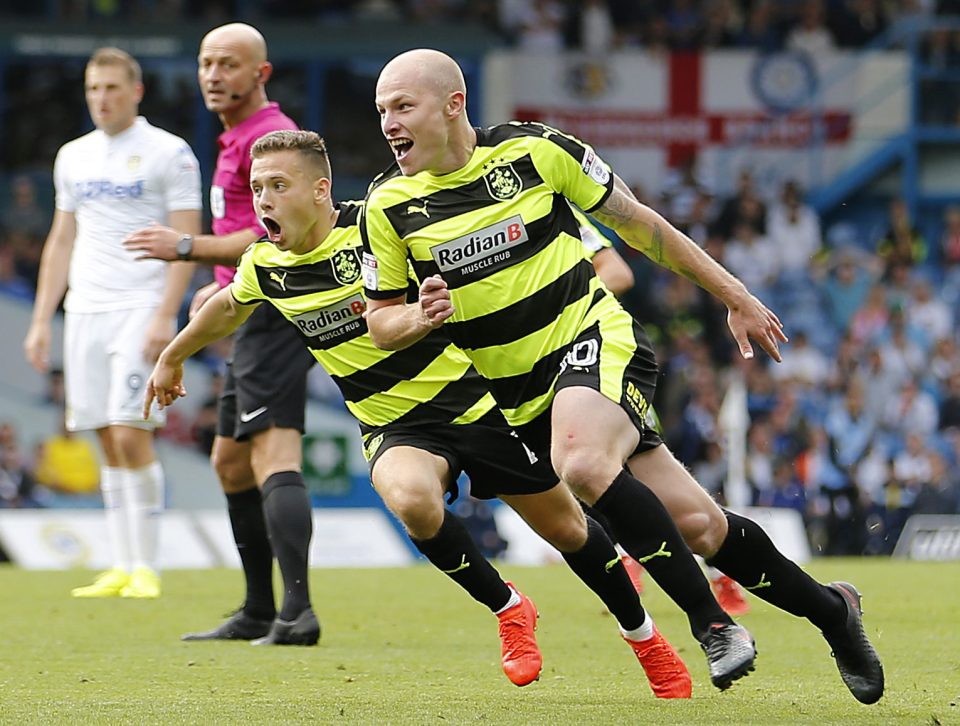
[(656, 246), (615, 211)]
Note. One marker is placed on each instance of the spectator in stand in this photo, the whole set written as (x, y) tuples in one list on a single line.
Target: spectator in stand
[(68, 464), (880, 381), (858, 22), (55, 393), (912, 470), (901, 243), (744, 205), (701, 218), (846, 287), (681, 190), (794, 230), (851, 428), (710, 469), (837, 504), (899, 282), (802, 363), (811, 34), (871, 318), (912, 411), (538, 25), (684, 24), (873, 476), (787, 492), (928, 313), (23, 212), (761, 390), (753, 259), (949, 413), (944, 360), (595, 26), (760, 462), (11, 283), (903, 350), (845, 364), (950, 255), (721, 25), (17, 484), (940, 102), (760, 29), (941, 494), (24, 224)]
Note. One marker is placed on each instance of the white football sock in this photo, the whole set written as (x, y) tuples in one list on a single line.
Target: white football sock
[(644, 632), (512, 602), (145, 497), (112, 483)]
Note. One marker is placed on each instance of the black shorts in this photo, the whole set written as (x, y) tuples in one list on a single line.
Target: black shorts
[(488, 452), (266, 382), (613, 357)]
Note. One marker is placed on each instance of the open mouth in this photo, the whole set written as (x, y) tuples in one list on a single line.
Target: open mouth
[(401, 147), (274, 232)]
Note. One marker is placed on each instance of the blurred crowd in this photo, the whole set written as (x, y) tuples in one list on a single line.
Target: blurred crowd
[(595, 25), (859, 426)]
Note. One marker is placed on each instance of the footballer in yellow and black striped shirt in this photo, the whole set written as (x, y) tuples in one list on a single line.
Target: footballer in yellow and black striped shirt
[(483, 216)]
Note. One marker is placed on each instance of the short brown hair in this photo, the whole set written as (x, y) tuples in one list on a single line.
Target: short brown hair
[(308, 143), (116, 57)]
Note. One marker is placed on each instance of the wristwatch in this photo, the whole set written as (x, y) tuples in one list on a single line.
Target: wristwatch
[(185, 247)]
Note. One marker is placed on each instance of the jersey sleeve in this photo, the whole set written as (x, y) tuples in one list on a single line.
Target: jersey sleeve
[(64, 201), (182, 180), (245, 287), (384, 261), (572, 168)]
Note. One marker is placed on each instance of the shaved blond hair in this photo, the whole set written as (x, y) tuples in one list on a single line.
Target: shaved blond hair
[(242, 35), (433, 69)]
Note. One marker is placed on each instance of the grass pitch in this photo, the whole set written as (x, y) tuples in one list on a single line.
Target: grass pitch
[(405, 646)]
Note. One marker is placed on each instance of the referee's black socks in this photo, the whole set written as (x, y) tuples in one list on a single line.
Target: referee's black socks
[(643, 527), (256, 556), (598, 565), (453, 551), (286, 508), (749, 556)]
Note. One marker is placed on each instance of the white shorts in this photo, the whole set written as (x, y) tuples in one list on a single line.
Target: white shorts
[(104, 371)]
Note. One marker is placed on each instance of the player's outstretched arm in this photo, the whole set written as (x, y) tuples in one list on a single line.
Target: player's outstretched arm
[(158, 242), (647, 231), (217, 319), (163, 326), (51, 286), (395, 324)]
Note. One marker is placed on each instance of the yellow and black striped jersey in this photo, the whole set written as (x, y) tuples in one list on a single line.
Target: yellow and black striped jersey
[(321, 294), (501, 233)]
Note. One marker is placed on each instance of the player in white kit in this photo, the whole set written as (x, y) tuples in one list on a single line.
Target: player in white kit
[(120, 312)]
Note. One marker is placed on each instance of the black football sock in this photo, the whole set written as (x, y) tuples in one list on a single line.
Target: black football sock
[(598, 565), (593, 513), (286, 508), (453, 551), (644, 529), (256, 556), (749, 557)]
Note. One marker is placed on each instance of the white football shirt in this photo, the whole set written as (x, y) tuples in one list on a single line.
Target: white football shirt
[(115, 185)]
